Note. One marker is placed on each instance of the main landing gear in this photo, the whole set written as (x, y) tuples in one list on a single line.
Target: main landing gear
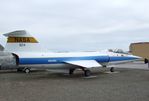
[(87, 72), (71, 71)]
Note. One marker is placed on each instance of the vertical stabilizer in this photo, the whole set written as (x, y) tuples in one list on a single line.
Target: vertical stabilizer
[(21, 41)]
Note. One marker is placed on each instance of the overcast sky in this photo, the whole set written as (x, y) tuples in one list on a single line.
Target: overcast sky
[(78, 25)]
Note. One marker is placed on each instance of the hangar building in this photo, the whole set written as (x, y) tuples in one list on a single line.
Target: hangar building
[(140, 49)]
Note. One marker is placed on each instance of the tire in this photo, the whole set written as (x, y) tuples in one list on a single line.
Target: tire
[(27, 70), (71, 71), (145, 61), (87, 73), (112, 69)]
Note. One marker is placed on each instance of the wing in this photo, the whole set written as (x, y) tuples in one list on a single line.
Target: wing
[(85, 63)]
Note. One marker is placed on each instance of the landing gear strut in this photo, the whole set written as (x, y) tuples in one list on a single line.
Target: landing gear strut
[(87, 72), (112, 69)]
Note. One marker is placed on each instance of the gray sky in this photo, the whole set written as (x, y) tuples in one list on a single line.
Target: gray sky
[(77, 25)]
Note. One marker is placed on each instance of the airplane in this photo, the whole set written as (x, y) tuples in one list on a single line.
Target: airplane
[(27, 53)]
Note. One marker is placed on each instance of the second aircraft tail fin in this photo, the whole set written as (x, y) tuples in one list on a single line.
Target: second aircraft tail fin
[(21, 41)]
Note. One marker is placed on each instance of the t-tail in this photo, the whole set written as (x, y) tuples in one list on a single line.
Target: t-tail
[(21, 41)]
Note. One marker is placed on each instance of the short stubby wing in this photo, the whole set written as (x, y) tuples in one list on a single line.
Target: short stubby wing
[(85, 63)]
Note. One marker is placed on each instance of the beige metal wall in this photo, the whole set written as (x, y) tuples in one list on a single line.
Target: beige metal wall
[(140, 49)]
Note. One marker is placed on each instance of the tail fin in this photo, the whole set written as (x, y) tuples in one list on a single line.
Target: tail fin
[(21, 41)]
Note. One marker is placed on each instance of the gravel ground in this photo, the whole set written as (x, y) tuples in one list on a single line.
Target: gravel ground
[(125, 85)]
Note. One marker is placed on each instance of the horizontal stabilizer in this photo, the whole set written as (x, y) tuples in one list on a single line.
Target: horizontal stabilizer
[(85, 63)]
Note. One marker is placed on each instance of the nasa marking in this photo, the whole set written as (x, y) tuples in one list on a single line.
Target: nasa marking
[(22, 40)]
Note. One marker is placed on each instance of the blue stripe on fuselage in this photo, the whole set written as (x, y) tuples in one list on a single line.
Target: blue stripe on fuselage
[(121, 58), (60, 60)]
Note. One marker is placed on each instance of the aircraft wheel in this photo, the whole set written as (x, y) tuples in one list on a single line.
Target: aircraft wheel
[(112, 69), (71, 71), (145, 61), (87, 73), (27, 70)]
